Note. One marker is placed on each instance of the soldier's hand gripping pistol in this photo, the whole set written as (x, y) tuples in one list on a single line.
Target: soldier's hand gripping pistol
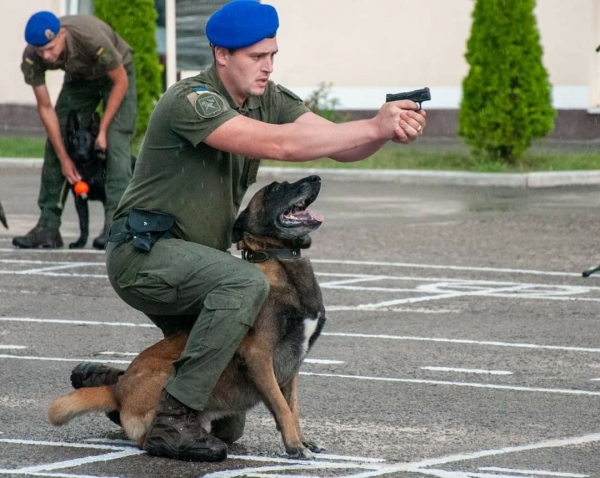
[(418, 96)]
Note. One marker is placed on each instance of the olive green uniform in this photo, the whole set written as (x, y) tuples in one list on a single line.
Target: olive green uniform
[(92, 50), (191, 281)]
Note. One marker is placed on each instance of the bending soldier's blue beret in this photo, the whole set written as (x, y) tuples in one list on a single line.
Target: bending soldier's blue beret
[(42, 28), (242, 23)]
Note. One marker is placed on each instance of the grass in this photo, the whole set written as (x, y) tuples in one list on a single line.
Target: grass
[(18, 147), (433, 155)]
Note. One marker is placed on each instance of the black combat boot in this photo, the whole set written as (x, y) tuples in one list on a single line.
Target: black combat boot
[(101, 241), (47, 237), (88, 374), (176, 433)]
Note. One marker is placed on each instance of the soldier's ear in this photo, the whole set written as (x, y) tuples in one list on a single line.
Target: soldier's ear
[(239, 226)]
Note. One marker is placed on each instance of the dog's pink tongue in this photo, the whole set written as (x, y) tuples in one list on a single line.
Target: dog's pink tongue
[(317, 217), (310, 216)]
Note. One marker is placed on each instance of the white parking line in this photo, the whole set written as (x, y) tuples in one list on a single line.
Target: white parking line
[(353, 377), (331, 334), (467, 370), (456, 384), (532, 472), (12, 347)]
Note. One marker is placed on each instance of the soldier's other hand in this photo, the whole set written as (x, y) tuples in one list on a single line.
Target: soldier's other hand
[(101, 140)]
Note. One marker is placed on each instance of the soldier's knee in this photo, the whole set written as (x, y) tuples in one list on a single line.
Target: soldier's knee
[(258, 284)]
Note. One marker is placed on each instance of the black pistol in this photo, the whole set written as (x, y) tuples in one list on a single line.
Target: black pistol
[(418, 96)]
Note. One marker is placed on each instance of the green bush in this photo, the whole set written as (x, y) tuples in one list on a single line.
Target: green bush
[(506, 95), (135, 21)]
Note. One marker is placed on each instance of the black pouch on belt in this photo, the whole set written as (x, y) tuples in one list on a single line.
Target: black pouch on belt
[(147, 227)]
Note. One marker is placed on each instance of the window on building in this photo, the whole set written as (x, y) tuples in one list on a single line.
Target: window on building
[(193, 49)]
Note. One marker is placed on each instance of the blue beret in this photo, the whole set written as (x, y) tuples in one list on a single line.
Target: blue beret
[(242, 23), (42, 28)]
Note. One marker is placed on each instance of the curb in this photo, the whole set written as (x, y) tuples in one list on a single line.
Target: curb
[(406, 176)]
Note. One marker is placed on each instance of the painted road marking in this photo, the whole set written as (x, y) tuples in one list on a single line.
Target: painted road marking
[(12, 347), (353, 377), (38, 470), (365, 466), (456, 384), (532, 472), (330, 334), (421, 467), (405, 265), (467, 370)]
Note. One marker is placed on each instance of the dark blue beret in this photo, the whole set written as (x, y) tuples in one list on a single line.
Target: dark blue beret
[(242, 23), (42, 28)]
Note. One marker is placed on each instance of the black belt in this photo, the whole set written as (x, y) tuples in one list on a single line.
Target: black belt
[(266, 254)]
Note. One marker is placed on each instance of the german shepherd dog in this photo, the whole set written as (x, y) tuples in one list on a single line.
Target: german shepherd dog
[(91, 165), (276, 224)]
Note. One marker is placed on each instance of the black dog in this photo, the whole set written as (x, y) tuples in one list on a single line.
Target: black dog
[(271, 231), (91, 165)]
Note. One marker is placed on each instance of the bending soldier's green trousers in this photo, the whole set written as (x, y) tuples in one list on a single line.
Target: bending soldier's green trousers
[(184, 285), (85, 96)]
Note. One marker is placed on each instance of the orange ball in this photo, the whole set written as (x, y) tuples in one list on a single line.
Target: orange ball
[(81, 188)]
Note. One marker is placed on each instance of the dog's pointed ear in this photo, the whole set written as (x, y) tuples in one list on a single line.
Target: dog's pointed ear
[(239, 226), (94, 125), (73, 121)]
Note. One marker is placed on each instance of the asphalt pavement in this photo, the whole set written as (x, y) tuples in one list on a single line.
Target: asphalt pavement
[(462, 340)]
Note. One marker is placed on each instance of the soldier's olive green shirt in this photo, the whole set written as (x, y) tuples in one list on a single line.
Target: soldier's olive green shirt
[(177, 173), (92, 49)]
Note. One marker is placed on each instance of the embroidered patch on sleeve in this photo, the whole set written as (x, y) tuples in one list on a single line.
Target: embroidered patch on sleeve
[(104, 56), (206, 103)]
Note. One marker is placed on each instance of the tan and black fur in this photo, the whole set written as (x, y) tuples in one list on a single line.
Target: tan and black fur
[(266, 365)]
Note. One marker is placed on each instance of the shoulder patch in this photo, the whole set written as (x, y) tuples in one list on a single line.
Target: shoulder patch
[(105, 57), (29, 61), (206, 103), (289, 93)]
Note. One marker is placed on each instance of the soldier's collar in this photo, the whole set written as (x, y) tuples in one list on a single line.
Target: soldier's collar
[(251, 103)]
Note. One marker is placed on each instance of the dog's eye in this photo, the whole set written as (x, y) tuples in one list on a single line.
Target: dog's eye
[(276, 188)]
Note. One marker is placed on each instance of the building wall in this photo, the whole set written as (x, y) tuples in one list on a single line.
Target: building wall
[(13, 17), (366, 49)]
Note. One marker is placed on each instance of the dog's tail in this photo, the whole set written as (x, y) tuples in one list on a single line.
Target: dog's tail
[(87, 399)]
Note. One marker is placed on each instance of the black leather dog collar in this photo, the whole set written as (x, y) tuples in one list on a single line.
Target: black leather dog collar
[(266, 254)]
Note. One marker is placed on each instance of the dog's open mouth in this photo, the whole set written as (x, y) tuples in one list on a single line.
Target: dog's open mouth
[(298, 215)]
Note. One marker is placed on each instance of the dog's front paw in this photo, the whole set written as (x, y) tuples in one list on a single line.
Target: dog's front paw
[(300, 453), (313, 446)]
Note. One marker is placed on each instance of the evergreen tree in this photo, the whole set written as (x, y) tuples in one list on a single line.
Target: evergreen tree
[(135, 22), (506, 98)]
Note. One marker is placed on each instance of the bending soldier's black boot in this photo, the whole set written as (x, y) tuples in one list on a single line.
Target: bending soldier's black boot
[(101, 241), (88, 374), (46, 237), (176, 433)]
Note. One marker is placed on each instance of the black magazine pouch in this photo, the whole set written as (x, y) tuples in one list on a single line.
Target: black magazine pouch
[(147, 227)]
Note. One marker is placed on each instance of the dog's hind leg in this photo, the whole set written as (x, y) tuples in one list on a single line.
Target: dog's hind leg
[(136, 426), (290, 392), (258, 359), (81, 206)]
